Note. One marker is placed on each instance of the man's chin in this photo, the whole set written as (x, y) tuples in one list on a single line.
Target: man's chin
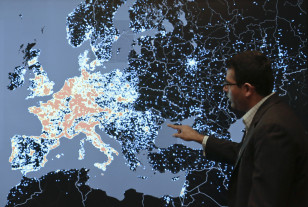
[(233, 107), (236, 111)]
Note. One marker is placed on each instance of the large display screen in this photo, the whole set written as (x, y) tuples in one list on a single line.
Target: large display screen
[(89, 87)]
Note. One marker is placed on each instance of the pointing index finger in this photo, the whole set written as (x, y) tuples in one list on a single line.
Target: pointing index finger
[(174, 126)]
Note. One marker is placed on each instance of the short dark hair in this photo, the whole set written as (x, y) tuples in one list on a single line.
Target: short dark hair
[(255, 68)]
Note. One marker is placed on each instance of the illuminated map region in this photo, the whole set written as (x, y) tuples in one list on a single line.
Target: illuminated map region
[(82, 104), (181, 71), (93, 21), (40, 85)]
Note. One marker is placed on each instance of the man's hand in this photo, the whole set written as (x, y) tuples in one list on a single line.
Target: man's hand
[(187, 133)]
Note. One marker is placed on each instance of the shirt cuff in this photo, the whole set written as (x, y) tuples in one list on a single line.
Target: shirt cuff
[(205, 138)]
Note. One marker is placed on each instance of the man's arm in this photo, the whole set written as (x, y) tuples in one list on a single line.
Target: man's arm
[(215, 149), (187, 133), (222, 150)]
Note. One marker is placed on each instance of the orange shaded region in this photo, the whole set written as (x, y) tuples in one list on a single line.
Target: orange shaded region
[(86, 126), (66, 91), (121, 99), (13, 154), (46, 90), (85, 74), (60, 116)]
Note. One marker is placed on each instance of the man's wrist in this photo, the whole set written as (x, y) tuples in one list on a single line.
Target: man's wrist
[(200, 138)]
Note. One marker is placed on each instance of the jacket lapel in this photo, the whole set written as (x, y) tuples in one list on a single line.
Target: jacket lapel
[(263, 108)]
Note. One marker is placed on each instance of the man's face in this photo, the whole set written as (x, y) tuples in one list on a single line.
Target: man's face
[(234, 92)]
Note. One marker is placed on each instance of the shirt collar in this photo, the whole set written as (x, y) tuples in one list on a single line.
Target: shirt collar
[(247, 118)]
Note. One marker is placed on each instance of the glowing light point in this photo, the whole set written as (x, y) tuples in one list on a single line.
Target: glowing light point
[(192, 65), (33, 61), (146, 129), (88, 35), (191, 62), (182, 192)]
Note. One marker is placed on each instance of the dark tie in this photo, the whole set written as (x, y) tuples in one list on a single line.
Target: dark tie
[(242, 148), (244, 134)]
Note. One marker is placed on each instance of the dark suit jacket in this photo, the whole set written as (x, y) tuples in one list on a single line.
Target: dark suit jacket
[(272, 167)]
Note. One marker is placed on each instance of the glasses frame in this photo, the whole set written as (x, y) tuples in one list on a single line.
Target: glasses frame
[(226, 83)]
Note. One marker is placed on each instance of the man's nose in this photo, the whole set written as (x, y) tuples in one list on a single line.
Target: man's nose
[(225, 88)]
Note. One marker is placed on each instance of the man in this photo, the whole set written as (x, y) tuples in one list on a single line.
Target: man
[(271, 162)]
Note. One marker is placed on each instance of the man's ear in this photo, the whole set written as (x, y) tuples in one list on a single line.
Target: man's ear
[(248, 89)]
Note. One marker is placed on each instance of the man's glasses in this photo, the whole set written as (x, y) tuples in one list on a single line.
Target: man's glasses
[(226, 83)]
